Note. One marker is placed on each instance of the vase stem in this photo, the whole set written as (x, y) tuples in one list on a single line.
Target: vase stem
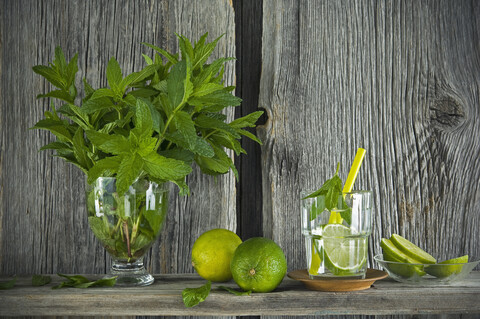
[(131, 274)]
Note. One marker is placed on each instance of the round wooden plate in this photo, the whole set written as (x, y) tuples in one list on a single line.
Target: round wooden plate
[(338, 284)]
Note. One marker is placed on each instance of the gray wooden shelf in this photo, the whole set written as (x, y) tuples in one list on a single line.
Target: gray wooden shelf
[(164, 297)]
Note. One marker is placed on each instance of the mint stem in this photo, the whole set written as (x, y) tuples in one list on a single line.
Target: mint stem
[(125, 230)]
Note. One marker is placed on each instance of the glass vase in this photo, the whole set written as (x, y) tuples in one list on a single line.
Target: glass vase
[(127, 224)]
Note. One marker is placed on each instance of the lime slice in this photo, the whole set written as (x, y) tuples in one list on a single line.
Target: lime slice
[(443, 269), (412, 250), (392, 253), (344, 255)]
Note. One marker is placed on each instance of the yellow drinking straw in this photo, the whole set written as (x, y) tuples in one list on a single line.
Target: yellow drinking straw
[(335, 218)]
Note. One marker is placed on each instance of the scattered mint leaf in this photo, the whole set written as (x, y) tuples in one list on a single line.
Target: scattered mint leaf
[(194, 296), (77, 281), (8, 284), (236, 292), (40, 280)]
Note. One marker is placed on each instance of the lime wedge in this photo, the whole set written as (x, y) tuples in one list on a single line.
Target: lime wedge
[(443, 269), (344, 255), (412, 250), (392, 253)]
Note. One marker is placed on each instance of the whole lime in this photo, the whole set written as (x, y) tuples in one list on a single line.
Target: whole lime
[(212, 253), (258, 265)]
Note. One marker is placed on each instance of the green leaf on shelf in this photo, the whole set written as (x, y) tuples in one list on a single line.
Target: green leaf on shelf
[(194, 296)]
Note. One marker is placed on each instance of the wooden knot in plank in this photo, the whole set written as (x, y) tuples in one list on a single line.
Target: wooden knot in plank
[(447, 114)]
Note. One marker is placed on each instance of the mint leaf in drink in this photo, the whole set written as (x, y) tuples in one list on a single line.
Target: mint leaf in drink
[(328, 188), (8, 284), (236, 292), (331, 191), (40, 280), (194, 296)]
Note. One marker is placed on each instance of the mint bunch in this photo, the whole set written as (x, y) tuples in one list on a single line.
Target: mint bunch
[(152, 123)]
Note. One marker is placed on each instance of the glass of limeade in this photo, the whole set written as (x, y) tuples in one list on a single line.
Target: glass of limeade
[(336, 240)]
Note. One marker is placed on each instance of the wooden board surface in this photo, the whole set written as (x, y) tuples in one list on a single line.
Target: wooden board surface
[(43, 225), (290, 298), (398, 78)]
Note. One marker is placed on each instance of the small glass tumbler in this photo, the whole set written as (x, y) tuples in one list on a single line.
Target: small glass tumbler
[(336, 240)]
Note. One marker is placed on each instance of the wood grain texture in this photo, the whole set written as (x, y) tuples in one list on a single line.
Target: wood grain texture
[(290, 298), (42, 214), (398, 78)]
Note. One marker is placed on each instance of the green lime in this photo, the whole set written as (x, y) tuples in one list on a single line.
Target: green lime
[(212, 253), (344, 255), (443, 269), (412, 250), (258, 265), (392, 253)]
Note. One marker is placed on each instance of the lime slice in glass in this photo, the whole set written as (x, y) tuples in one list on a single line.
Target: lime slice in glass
[(443, 269), (344, 254), (412, 250), (392, 253)]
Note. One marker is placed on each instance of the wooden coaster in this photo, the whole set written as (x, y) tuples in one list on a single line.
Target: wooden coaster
[(337, 284)]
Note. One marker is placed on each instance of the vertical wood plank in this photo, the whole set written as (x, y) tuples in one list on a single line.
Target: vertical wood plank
[(248, 25), (42, 214), (399, 78)]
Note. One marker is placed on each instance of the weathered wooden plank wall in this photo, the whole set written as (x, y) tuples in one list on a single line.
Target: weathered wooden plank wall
[(399, 78), (42, 208)]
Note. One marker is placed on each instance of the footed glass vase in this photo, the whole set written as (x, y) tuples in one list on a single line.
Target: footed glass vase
[(127, 224)]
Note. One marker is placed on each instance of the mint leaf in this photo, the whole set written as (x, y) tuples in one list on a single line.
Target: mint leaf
[(194, 296), (114, 144), (143, 118), (179, 86), (136, 77), (167, 169), (246, 121), (185, 48), (198, 145), (202, 51), (128, 171), (210, 71), (114, 75), (57, 127), (8, 284), (105, 167), (58, 94), (236, 292), (77, 281), (40, 280), (218, 98), (170, 57), (50, 75)]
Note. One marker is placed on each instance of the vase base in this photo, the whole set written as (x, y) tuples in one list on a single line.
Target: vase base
[(131, 274)]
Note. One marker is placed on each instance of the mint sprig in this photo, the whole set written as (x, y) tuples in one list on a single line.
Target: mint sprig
[(330, 197)]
